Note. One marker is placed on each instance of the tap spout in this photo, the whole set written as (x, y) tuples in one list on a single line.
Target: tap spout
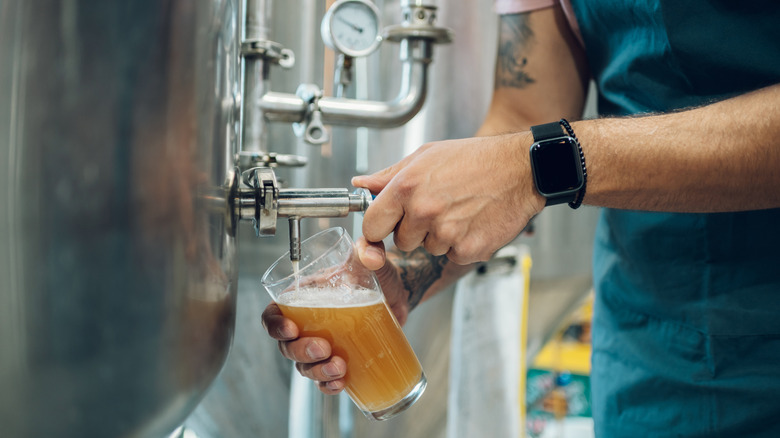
[(296, 204), (321, 202), (295, 238)]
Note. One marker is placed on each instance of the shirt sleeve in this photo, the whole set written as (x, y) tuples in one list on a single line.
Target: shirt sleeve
[(503, 7), (516, 6)]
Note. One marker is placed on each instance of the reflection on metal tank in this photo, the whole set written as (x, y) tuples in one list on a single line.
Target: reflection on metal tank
[(117, 277)]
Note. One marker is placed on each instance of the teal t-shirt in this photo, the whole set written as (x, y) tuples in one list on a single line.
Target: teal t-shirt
[(686, 331)]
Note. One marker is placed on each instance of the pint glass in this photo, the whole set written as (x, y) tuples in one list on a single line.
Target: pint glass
[(331, 295)]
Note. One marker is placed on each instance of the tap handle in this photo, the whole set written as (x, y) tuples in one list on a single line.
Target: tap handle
[(360, 199)]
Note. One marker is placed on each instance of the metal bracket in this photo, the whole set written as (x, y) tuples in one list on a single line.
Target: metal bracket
[(418, 24), (270, 51), (262, 182), (250, 159), (311, 129), (400, 32)]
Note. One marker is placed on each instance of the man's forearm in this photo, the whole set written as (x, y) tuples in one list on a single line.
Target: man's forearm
[(423, 275), (720, 157)]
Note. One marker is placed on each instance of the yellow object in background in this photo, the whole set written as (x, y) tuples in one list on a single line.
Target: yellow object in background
[(525, 266), (562, 355), (570, 349), (558, 381)]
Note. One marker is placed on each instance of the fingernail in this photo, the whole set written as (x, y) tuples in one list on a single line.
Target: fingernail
[(374, 251), (331, 370), (315, 351), (284, 332), (333, 385)]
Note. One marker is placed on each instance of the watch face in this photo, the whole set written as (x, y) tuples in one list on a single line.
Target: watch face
[(556, 166)]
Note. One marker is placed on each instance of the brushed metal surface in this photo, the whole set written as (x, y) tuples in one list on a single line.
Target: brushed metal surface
[(117, 282)]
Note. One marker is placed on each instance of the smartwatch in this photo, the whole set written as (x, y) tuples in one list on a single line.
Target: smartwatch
[(556, 164)]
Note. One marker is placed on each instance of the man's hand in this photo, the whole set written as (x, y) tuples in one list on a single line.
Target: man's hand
[(463, 198)]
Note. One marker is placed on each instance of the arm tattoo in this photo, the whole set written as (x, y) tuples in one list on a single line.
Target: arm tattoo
[(418, 271), (514, 36)]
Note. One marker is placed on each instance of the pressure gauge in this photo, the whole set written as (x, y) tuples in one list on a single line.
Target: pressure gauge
[(352, 27)]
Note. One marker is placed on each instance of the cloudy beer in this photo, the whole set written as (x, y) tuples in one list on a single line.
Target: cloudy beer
[(329, 294), (382, 369)]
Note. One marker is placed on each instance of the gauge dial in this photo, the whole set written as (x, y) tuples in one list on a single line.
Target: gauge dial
[(352, 27)]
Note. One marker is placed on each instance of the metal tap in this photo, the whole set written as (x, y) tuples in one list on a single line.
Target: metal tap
[(262, 201)]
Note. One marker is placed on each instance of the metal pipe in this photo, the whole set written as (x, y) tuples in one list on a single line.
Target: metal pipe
[(257, 13), (373, 114), (415, 55), (321, 202), (256, 83), (283, 107)]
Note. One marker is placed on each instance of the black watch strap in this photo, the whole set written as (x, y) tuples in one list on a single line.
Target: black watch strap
[(545, 132)]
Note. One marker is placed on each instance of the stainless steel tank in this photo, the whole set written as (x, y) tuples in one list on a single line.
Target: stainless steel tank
[(117, 273)]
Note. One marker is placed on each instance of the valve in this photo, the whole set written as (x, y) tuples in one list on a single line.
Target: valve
[(263, 202)]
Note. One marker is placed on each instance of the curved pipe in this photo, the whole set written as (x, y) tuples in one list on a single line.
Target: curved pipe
[(415, 54), (373, 114)]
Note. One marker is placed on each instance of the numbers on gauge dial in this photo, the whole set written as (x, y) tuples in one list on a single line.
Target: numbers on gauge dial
[(352, 27)]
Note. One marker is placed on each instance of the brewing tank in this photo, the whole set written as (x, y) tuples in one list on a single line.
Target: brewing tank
[(117, 271)]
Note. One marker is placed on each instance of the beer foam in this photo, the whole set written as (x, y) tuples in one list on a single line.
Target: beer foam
[(330, 297)]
